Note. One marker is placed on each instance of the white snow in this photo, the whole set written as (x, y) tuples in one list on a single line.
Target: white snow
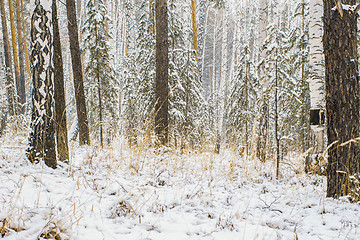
[(117, 193)]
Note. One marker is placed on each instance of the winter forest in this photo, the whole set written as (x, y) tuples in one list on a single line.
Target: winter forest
[(179, 119)]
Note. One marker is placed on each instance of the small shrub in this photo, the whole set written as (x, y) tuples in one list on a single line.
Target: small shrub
[(52, 231), (225, 223), (122, 209)]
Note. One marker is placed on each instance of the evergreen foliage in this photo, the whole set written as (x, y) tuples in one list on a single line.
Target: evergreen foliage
[(101, 86)]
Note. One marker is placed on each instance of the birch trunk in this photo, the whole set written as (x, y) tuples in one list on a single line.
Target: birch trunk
[(316, 69), (42, 137)]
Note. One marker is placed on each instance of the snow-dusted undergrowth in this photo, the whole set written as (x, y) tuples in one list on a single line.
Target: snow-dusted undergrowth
[(116, 193)]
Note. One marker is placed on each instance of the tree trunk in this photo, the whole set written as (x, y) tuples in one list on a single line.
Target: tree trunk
[(20, 38), (276, 113), (42, 137), (100, 110), (10, 91), (27, 62), (77, 73), (60, 103), (15, 52), (162, 68), (264, 105), (305, 98), (194, 26), (316, 69), (342, 96)]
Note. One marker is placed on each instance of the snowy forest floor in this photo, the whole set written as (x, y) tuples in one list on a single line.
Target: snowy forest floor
[(117, 193)]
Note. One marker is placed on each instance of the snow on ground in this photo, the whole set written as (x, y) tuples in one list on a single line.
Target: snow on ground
[(121, 194)]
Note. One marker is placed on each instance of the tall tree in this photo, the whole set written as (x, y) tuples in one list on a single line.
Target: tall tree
[(60, 103), (20, 40), (264, 107), (42, 133), (8, 68), (100, 82), (342, 95), (27, 61), (194, 25), (162, 75), (316, 78), (77, 72), (15, 51)]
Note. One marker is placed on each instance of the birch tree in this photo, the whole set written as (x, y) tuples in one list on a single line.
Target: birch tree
[(316, 69), (42, 133)]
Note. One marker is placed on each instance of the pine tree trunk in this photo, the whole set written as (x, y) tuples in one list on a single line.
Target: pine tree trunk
[(42, 135), (342, 96), (194, 26), (20, 38), (77, 73), (162, 68), (27, 61), (60, 103), (10, 91), (15, 52)]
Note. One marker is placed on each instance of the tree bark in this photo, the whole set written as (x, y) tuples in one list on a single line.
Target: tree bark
[(194, 25), (15, 51), (342, 96), (60, 103), (27, 61), (10, 91), (42, 135), (264, 99), (77, 73), (162, 75), (316, 71), (20, 39)]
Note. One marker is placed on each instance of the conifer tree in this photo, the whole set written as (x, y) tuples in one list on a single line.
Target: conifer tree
[(162, 74), (100, 81), (342, 95), (76, 60), (185, 100), (59, 86), (239, 115), (139, 72)]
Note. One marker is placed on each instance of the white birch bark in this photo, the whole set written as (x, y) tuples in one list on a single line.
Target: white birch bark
[(316, 80), (42, 138)]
